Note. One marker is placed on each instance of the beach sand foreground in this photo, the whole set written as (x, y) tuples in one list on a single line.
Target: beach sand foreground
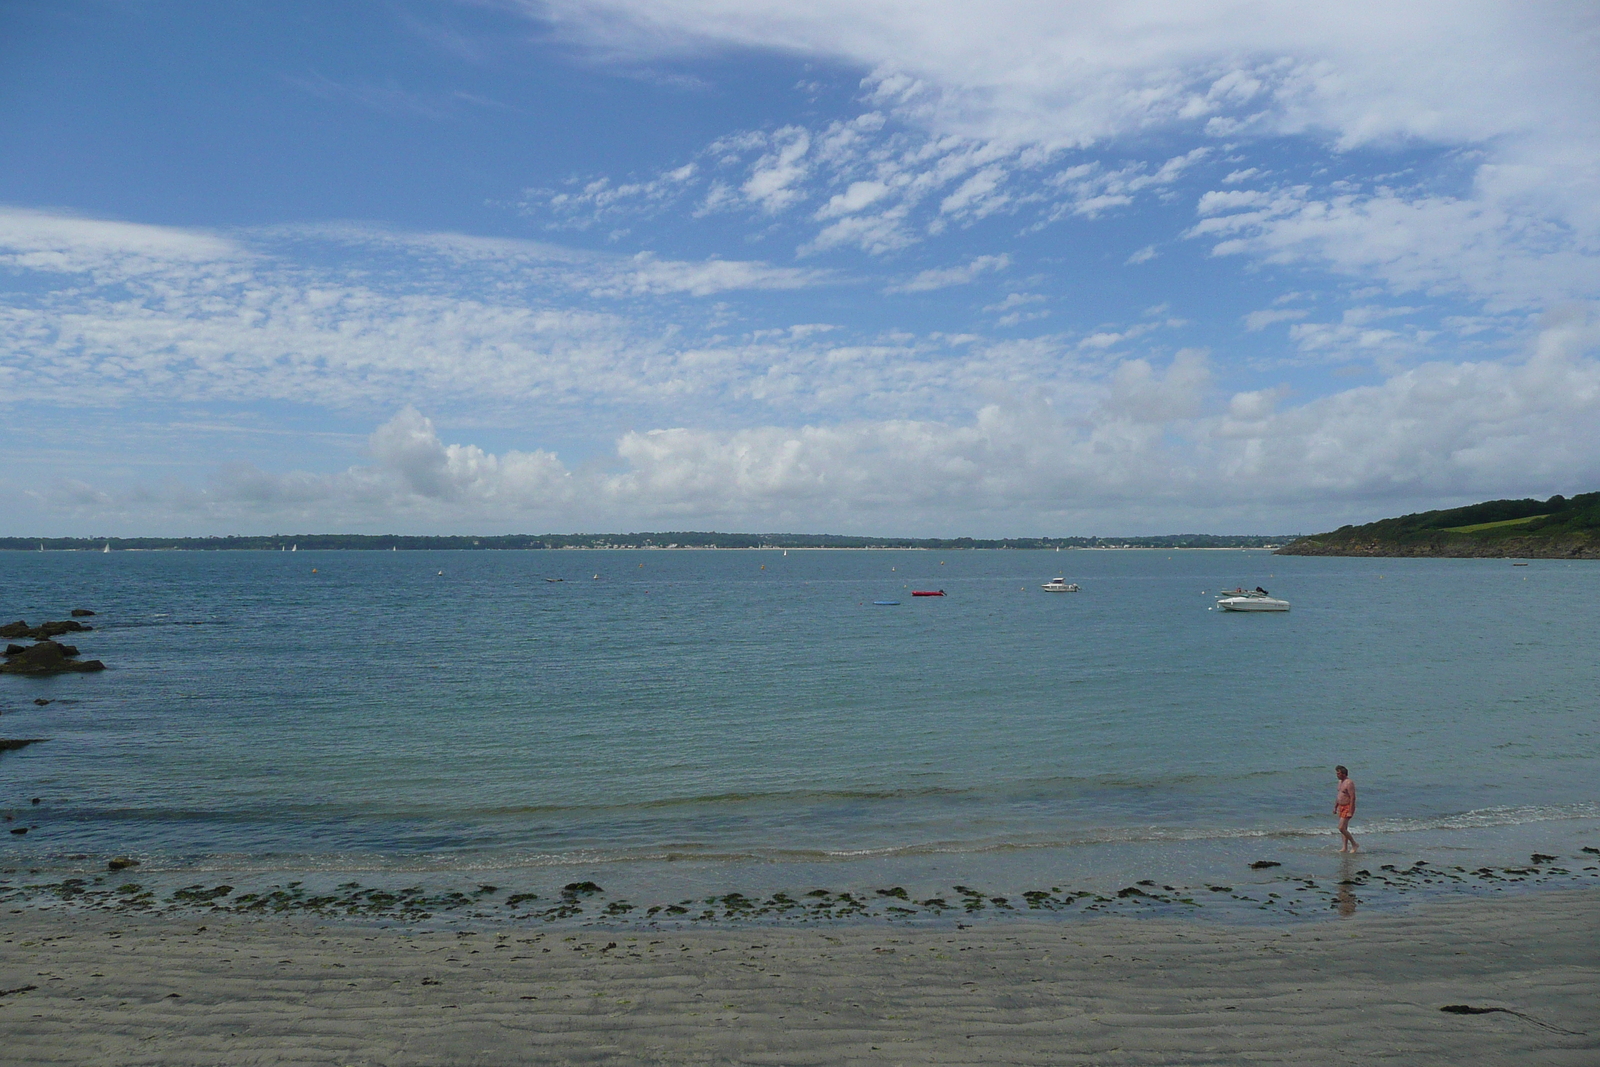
[(107, 988)]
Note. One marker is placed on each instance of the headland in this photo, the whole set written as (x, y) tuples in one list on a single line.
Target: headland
[(1557, 528)]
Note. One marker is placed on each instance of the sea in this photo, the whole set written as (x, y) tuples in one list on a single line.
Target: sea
[(666, 724)]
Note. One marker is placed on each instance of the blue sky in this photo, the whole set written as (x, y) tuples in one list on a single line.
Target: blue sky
[(871, 267)]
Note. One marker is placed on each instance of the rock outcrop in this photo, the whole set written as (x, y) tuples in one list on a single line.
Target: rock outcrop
[(48, 657), (44, 630)]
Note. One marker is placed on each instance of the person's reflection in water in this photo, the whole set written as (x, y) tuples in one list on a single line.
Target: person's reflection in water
[(1346, 899)]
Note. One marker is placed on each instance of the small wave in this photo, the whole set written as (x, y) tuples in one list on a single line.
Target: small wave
[(1484, 818)]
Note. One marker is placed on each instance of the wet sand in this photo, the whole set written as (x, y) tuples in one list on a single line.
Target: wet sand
[(92, 987)]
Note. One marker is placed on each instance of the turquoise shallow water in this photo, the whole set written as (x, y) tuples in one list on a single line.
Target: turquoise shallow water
[(697, 718)]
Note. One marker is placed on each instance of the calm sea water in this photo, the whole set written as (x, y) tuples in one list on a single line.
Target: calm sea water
[(681, 718)]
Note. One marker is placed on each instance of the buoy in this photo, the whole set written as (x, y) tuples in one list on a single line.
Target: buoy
[(314, 570)]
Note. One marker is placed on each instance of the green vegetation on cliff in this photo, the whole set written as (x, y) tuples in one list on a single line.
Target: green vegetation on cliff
[(1558, 528)]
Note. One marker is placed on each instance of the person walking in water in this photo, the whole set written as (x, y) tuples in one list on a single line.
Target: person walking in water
[(1344, 806)]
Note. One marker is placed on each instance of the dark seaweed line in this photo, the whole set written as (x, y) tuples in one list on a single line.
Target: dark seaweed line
[(1286, 895)]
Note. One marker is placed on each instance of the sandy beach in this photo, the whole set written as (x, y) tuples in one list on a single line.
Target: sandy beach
[(102, 988)]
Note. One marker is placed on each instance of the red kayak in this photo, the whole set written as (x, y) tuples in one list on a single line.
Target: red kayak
[(927, 592)]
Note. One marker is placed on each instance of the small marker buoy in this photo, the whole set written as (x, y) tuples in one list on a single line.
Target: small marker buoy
[(314, 570)]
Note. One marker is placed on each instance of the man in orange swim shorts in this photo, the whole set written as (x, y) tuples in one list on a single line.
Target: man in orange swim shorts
[(1344, 806)]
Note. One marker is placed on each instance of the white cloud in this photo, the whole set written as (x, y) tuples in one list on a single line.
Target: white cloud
[(151, 314), (709, 277), (1076, 73), (1482, 247), (1260, 320), (976, 107), (773, 179), (859, 195), (1145, 439), (944, 277)]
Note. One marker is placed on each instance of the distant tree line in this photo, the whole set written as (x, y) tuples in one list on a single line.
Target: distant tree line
[(671, 539)]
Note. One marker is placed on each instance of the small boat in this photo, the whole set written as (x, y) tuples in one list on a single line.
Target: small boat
[(1256, 599), (1059, 585), (886, 603), (1514, 564), (927, 592), (555, 579)]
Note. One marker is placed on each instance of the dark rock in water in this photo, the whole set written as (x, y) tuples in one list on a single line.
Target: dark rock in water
[(41, 701), (37, 800), (12, 650), (44, 630), (9, 743), (121, 863), (1132, 891), (48, 657), (56, 629), (1261, 865), (1540, 857), (20, 830), (81, 613)]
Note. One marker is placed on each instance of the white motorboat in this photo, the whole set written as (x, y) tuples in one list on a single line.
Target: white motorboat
[(1060, 585), (1256, 599)]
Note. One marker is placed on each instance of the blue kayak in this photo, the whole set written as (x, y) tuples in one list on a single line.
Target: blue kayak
[(886, 603)]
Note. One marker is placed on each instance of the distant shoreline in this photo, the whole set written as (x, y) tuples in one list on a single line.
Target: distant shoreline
[(658, 541)]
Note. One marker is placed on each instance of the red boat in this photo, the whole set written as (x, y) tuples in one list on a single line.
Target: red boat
[(927, 592)]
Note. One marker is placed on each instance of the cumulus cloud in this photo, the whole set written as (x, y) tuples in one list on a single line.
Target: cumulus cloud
[(1157, 438)]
